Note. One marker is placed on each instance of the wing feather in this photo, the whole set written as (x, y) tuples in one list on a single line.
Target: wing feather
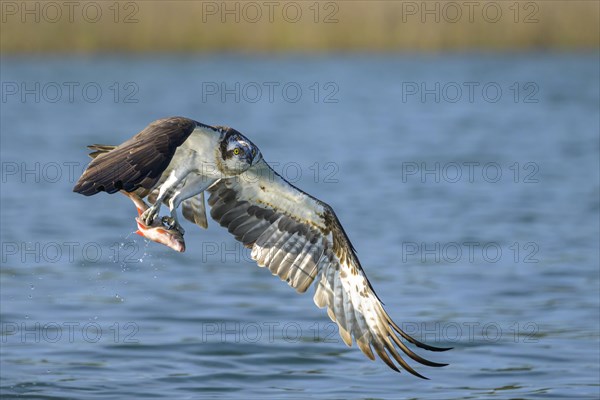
[(307, 262), (194, 210), (137, 163), (323, 293), (274, 249), (254, 233), (340, 299), (300, 239)]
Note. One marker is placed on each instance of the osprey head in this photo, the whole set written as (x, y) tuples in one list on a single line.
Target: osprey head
[(237, 152)]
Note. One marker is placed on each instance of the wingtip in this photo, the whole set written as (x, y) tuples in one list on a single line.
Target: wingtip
[(415, 373), (412, 372), (83, 187), (418, 375), (77, 188), (413, 340), (432, 348)]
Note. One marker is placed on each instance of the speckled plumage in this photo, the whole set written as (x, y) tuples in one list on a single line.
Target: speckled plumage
[(296, 236)]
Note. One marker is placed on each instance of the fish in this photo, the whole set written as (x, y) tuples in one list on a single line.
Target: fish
[(157, 231)]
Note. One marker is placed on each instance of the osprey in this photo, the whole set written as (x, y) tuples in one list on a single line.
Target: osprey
[(296, 236)]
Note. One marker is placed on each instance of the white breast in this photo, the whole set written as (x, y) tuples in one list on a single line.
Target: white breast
[(198, 154)]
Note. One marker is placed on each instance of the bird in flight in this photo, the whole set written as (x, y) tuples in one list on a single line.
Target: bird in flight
[(296, 236)]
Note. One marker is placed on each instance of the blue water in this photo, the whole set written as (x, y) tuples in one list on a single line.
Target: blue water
[(475, 215)]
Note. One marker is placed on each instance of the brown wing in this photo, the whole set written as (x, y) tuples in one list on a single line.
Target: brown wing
[(138, 162)]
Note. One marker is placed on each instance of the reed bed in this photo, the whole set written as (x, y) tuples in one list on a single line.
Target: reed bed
[(303, 26)]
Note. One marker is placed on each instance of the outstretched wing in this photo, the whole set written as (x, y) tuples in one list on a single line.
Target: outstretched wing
[(300, 239), (138, 162)]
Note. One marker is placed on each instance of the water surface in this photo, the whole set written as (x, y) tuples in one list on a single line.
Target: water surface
[(504, 268)]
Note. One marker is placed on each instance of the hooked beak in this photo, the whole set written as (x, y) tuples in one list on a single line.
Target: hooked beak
[(253, 156), (249, 156)]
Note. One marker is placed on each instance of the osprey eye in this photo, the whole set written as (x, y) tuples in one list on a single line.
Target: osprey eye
[(236, 151)]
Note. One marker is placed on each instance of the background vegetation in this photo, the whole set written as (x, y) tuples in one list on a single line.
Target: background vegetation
[(193, 26)]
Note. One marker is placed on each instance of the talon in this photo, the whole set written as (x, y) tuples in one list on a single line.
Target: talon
[(168, 222), (148, 216), (171, 223)]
